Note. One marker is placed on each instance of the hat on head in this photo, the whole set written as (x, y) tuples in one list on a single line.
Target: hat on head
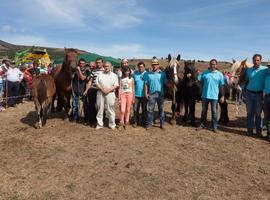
[(268, 64), (155, 61)]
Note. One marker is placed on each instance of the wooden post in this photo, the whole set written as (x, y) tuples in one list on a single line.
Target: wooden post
[(6, 94)]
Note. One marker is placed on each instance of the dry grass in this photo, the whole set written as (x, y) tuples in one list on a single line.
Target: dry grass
[(70, 161)]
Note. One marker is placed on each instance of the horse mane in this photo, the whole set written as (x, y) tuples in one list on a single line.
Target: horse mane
[(237, 64)]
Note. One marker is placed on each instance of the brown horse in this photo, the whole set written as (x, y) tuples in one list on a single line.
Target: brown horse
[(43, 90), (63, 77), (175, 73)]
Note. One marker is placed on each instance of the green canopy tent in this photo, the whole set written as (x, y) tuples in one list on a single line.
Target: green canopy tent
[(92, 57)]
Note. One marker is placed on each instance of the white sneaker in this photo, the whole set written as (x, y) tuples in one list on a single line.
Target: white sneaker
[(99, 127)]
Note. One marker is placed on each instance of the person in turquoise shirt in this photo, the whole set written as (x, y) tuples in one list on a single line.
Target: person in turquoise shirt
[(139, 77), (212, 81), (255, 78), (267, 99), (154, 92)]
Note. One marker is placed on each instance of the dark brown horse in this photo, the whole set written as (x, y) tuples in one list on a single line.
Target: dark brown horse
[(175, 73), (43, 90), (191, 91), (63, 77)]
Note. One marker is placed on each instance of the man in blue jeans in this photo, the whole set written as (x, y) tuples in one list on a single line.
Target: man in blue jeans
[(212, 82), (140, 100), (154, 92), (267, 100), (78, 85), (255, 78)]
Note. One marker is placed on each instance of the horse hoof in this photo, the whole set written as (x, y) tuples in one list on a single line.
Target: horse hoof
[(173, 122), (38, 126)]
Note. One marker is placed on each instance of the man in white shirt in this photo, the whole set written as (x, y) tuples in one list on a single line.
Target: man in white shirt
[(14, 77), (106, 83)]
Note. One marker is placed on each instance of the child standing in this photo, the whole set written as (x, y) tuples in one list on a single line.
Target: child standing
[(126, 96)]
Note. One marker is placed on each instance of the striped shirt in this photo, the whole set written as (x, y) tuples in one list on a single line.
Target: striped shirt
[(94, 74)]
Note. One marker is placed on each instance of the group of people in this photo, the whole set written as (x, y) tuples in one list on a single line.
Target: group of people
[(137, 90), (95, 85), (16, 81), (256, 81)]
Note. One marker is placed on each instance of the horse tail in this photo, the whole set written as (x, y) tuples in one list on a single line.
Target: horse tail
[(42, 91)]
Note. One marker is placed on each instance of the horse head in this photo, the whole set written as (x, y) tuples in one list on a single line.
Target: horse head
[(190, 70), (238, 71), (71, 58), (173, 70)]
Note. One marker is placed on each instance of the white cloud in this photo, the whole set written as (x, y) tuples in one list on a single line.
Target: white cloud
[(30, 40), (95, 14), (125, 51), (131, 50), (8, 29)]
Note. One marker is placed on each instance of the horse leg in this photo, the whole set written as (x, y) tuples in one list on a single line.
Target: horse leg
[(173, 113), (44, 112), (192, 111), (53, 100), (186, 103), (178, 105), (39, 113), (65, 109), (66, 103)]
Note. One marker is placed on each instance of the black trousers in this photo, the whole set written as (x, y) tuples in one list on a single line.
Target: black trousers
[(13, 90), (140, 102), (91, 112)]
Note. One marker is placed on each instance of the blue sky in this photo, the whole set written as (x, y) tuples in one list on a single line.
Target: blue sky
[(142, 28)]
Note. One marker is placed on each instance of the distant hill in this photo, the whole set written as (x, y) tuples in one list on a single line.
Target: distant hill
[(202, 65), (9, 50)]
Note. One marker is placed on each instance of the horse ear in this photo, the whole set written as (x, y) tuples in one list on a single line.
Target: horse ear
[(178, 57), (169, 57), (244, 61), (233, 61)]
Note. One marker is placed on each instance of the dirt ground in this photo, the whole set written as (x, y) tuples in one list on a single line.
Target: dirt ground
[(73, 161)]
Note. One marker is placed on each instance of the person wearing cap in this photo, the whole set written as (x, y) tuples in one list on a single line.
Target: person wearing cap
[(154, 93), (14, 76), (255, 80), (212, 82), (266, 101)]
